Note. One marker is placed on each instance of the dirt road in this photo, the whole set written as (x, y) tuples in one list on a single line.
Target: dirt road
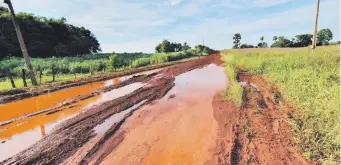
[(173, 116)]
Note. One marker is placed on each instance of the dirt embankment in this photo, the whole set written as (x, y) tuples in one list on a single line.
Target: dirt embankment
[(259, 131), (74, 133)]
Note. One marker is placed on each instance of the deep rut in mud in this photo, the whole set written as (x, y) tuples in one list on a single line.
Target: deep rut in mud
[(260, 132)]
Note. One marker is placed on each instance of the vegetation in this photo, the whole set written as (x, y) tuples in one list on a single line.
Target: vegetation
[(89, 64), (236, 40), (323, 38), (311, 81), (262, 44), (167, 46), (44, 37)]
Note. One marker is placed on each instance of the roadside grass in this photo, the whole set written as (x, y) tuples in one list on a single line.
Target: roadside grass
[(311, 81)]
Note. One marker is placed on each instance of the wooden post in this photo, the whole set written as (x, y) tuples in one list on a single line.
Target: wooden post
[(11, 80), (24, 77), (53, 73), (40, 74), (21, 42), (315, 26)]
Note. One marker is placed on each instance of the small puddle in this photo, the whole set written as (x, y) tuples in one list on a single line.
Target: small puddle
[(177, 129), (102, 128), (23, 133), (244, 83)]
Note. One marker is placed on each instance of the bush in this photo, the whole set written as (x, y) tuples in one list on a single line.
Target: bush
[(140, 62)]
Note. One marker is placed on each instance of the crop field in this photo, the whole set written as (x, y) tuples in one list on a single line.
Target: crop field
[(69, 68)]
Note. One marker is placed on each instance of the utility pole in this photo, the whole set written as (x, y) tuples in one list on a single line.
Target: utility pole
[(316, 22), (22, 43)]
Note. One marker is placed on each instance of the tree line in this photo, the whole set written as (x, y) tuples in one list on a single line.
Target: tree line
[(302, 40), (44, 37), (165, 47)]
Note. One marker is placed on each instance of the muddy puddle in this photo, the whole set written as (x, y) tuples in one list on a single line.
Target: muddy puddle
[(177, 129), (22, 133)]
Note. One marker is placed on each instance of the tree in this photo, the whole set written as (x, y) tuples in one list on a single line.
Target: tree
[(246, 46), (236, 40), (113, 61), (45, 37), (166, 46), (303, 40), (274, 38), (324, 36), (185, 47), (262, 38), (282, 42), (262, 44), (158, 48)]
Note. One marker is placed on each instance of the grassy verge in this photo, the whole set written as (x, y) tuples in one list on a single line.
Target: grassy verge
[(311, 81)]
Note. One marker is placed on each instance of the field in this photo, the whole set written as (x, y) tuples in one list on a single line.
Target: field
[(309, 80), (69, 68), (242, 106)]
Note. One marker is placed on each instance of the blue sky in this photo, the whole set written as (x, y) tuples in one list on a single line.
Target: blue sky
[(138, 25)]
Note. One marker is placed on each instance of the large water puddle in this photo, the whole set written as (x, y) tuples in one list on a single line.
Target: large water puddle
[(179, 128), (22, 133)]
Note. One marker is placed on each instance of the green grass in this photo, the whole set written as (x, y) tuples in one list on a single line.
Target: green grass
[(311, 81), (5, 84)]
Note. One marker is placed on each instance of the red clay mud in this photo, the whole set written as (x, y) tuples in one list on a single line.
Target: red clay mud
[(68, 137), (264, 134)]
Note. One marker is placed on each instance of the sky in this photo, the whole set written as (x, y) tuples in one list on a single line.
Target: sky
[(139, 25)]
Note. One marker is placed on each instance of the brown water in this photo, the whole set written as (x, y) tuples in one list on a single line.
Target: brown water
[(179, 130), (22, 133)]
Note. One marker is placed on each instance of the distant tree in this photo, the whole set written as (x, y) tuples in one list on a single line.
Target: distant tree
[(303, 40), (262, 44), (274, 38), (236, 40), (246, 46), (201, 49), (185, 46), (166, 46), (282, 42), (113, 61), (324, 36), (176, 47), (158, 48)]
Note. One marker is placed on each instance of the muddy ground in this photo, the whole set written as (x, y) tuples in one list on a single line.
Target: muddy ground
[(195, 126)]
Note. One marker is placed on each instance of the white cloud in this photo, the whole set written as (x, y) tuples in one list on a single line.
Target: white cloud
[(122, 26), (246, 4), (174, 2)]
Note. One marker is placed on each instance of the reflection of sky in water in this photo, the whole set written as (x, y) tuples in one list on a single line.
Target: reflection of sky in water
[(102, 128), (28, 137)]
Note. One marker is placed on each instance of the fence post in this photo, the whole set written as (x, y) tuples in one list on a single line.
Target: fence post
[(24, 77), (11, 80), (53, 73), (40, 74)]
